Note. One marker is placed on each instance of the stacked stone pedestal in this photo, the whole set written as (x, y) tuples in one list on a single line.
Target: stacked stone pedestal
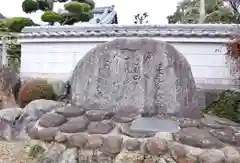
[(72, 134)]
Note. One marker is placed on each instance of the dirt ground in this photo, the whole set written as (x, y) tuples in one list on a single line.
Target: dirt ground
[(13, 152)]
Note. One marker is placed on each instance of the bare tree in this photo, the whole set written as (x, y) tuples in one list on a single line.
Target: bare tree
[(140, 18)]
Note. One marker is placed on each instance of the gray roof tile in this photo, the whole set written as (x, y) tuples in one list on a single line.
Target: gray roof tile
[(103, 15), (115, 30)]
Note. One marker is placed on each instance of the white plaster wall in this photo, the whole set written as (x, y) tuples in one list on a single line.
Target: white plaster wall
[(57, 59)]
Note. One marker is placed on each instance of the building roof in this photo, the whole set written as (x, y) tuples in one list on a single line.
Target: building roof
[(2, 17), (103, 15), (115, 30)]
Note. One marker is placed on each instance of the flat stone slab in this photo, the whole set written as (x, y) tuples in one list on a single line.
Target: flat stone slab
[(154, 125)]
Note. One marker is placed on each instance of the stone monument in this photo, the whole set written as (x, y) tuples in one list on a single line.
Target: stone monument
[(110, 87), (144, 75)]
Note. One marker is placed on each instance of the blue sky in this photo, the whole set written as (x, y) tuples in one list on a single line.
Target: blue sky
[(157, 9)]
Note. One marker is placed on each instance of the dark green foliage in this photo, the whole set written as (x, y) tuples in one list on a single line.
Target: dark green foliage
[(68, 19), (227, 105), (187, 12), (44, 6), (76, 12), (3, 27), (29, 6), (74, 7), (36, 151), (51, 17), (14, 55), (91, 3), (62, 1), (16, 24)]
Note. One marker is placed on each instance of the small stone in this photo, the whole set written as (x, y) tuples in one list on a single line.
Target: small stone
[(111, 145), (47, 134), (30, 125), (197, 138), (154, 124), (212, 156), (132, 144), (155, 159), (60, 137), (99, 158), (77, 140), (231, 155), (126, 130), (165, 135), (94, 142), (225, 135), (186, 160), (32, 132), (53, 153), (6, 130), (70, 111), (237, 137), (210, 121), (156, 146), (52, 120), (193, 152), (129, 157), (125, 115), (224, 121), (10, 114), (77, 124), (185, 122), (178, 151), (69, 156), (152, 159), (98, 115), (103, 127)]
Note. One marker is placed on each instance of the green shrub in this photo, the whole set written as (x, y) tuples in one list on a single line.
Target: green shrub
[(44, 5), (16, 24), (29, 6), (227, 105), (35, 89), (3, 27), (74, 7), (14, 55), (51, 17), (36, 151), (91, 3)]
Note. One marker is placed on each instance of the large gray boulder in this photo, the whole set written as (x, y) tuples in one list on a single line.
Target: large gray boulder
[(8, 129), (35, 109), (135, 74)]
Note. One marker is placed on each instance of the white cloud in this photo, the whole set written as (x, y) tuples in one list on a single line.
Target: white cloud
[(158, 10)]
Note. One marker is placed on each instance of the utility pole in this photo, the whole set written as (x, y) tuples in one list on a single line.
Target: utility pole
[(202, 12), (4, 51)]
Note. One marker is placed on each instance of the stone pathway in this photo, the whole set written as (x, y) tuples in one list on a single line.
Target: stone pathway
[(12, 152)]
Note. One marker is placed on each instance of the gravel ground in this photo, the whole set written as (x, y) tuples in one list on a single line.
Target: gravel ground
[(13, 152)]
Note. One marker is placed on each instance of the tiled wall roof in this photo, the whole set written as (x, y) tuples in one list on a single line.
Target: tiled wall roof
[(115, 30)]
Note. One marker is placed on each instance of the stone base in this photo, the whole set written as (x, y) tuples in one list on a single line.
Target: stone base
[(70, 133)]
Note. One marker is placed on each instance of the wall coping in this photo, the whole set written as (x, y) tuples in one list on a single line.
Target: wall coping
[(116, 30)]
